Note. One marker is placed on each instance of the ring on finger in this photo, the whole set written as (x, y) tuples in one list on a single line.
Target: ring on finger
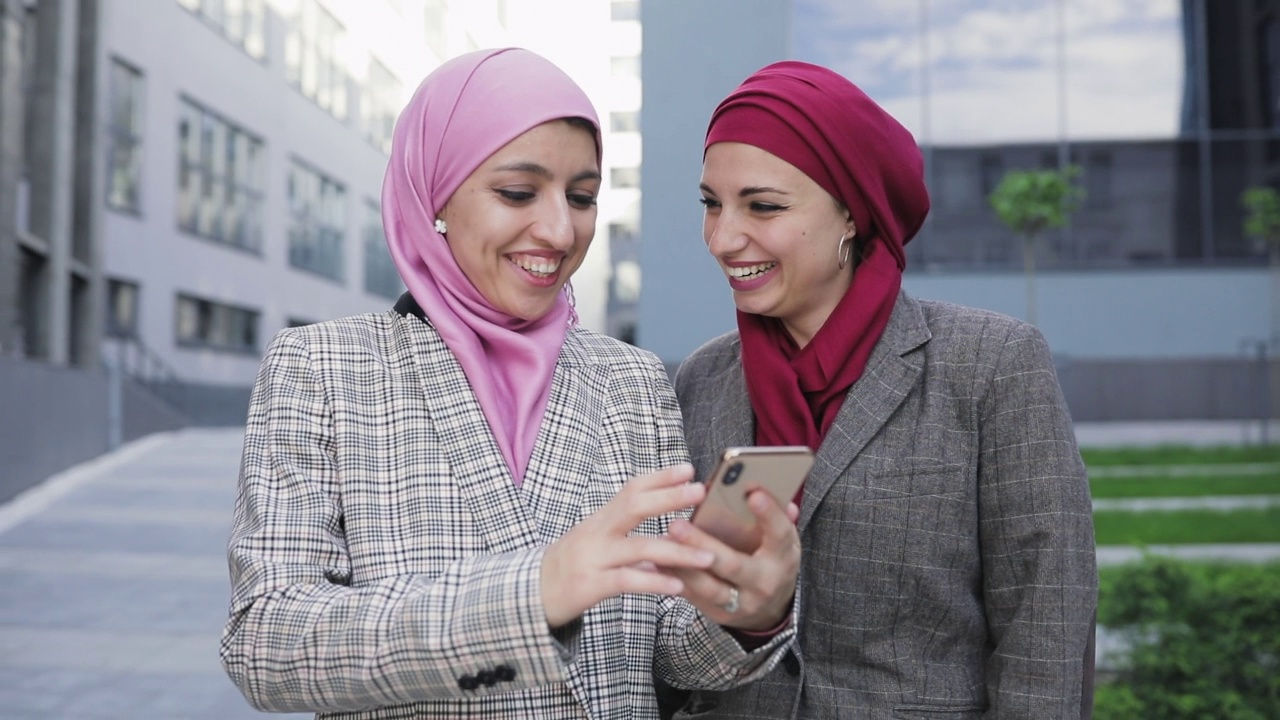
[(731, 606)]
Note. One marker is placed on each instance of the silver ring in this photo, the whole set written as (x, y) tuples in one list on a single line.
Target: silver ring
[(731, 607)]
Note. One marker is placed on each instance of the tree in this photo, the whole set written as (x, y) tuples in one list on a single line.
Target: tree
[(1262, 225), (1030, 202)]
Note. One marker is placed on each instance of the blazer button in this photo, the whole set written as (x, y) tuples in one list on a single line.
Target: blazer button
[(505, 673), (486, 678), (791, 664), (466, 682)]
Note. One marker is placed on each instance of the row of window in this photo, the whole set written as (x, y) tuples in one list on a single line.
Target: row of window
[(312, 63), (199, 323), (220, 188)]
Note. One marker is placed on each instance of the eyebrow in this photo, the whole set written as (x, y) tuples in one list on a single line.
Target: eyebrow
[(536, 169), (747, 191)]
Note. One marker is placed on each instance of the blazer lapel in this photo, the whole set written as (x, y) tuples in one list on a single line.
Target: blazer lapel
[(889, 377), (560, 486), (735, 424), (479, 468)]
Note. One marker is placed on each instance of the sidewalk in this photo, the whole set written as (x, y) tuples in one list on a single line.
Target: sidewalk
[(116, 581), (116, 586)]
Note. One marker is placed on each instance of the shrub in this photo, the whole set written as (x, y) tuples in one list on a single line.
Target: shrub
[(1203, 641)]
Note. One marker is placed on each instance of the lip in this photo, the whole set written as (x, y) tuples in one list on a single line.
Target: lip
[(538, 281), (752, 283)]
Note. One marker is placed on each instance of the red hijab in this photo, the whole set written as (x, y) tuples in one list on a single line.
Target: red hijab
[(826, 127)]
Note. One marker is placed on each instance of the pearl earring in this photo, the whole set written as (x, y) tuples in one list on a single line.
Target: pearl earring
[(441, 226)]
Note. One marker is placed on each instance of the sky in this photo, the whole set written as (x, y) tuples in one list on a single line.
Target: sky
[(993, 65)]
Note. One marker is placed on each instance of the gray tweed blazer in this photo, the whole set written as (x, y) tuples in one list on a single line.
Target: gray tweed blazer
[(948, 568)]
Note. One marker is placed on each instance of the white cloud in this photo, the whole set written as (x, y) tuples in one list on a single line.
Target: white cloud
[(993, 65)]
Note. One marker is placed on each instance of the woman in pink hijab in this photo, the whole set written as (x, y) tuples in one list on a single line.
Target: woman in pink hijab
[(458, 508)]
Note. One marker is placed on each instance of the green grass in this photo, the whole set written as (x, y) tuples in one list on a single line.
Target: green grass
[(1180, 455), (1113, 527), (1164, 486)]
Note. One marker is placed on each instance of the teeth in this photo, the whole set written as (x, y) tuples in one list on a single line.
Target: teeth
[(742, 273), (537, 266)]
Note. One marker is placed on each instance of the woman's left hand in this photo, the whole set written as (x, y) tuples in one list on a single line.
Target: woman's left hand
[(764, 581)]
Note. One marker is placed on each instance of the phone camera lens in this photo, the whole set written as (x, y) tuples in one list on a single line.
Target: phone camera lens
[(731, 475)]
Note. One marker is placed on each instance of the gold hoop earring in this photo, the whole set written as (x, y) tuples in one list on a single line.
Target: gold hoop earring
[(844, 251)]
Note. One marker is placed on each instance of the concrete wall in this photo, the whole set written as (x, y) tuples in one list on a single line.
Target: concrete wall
[(53, 417), (694, 54)]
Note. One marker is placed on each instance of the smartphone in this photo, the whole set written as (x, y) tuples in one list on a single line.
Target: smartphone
[(724, 513)]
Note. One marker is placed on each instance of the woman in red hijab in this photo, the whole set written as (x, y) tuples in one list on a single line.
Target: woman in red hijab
[(948, 562)]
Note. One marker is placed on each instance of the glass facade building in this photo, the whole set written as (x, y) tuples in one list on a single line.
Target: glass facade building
[(1169, 108)]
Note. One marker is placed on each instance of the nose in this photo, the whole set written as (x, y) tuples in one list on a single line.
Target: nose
[(554, 224), (723, 234)]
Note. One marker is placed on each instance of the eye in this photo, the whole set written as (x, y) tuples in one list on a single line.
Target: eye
[(581, 201), (514, 196), (709, 203), (764, 207)]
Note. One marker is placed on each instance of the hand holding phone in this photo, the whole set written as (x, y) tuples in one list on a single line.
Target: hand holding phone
[(724, 513)]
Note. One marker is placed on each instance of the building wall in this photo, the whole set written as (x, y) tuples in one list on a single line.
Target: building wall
[(695, 53), (184, 57), (11, 112)]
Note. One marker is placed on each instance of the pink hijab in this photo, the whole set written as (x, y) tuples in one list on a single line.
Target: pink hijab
[(462, 113)]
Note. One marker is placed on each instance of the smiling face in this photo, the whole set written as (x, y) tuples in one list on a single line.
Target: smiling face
[(774, 232), (521, 224)]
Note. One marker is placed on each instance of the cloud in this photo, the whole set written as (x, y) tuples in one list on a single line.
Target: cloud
[(993, 64)]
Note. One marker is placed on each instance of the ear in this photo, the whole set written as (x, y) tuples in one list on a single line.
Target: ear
[(850, 225)]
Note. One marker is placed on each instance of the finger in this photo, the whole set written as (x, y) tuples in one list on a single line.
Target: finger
[(633, 580), (728, 561), (793, 512), (776, 528), (656, 551), (632, 506), (677, 474), (705, 591)]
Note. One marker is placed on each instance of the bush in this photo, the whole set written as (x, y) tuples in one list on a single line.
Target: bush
[(1203, 641)]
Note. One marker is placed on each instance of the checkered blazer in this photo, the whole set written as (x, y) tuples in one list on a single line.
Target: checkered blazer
[(384, 565), (948, 567)]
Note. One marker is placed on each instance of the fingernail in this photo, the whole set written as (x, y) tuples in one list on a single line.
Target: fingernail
[(705, 557)]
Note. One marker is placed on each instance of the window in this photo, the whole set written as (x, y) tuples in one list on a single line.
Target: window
[(380, 275), (622, 10), (628, 66), (311, 58), (122, 308), (124, 137), (316, 208), (991, 172), (1097, 180), (243, 22), (220, 168), (380, 104), (625, 121), (625, 177), (437, 34), (208, 324)]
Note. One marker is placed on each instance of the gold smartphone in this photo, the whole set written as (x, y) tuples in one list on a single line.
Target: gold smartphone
[(724, 513)]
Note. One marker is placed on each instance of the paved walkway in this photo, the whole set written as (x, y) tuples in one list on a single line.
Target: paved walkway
[(116, 586)]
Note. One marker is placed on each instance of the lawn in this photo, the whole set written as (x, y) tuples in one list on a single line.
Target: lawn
[(1113, 527), (1190, 486), (1180, 455)]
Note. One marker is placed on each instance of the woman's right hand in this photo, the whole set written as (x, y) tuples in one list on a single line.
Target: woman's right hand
[(599, 558)]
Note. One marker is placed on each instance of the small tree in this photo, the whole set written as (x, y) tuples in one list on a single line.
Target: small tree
[(1030, 202), (1262, 225)]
